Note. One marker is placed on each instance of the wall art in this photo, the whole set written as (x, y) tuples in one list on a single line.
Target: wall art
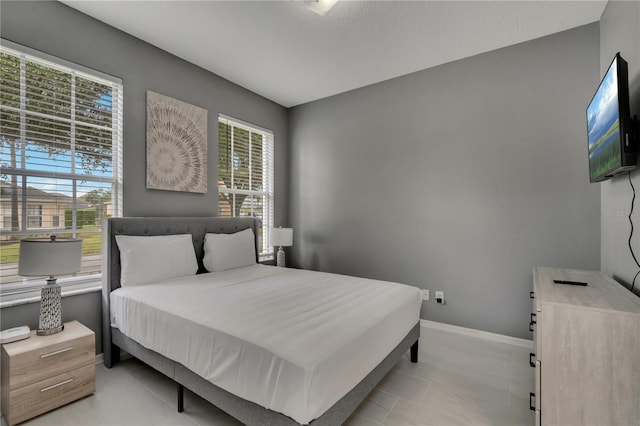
[(176, 145)]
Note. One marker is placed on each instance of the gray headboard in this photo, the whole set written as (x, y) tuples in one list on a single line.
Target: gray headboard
[(196, 226)]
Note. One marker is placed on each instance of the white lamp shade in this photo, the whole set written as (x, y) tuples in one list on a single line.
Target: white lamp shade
[(47, 257), (281, 237)]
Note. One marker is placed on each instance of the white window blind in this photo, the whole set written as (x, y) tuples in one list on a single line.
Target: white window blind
[(61, 155), (245, 175)]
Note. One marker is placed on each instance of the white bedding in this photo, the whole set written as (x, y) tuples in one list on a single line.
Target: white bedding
[(289, 340)]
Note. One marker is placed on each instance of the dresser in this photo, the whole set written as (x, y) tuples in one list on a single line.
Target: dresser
[(586, 350), (44, 372)]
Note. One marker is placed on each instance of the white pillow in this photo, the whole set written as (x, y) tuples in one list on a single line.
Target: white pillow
[(146, 260), (228, 251)]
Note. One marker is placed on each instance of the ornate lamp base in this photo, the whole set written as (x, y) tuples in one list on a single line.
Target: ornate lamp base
[(280, 258), (50, 309)]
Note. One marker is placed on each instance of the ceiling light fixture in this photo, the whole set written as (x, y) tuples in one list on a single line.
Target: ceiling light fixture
[(321, 7)]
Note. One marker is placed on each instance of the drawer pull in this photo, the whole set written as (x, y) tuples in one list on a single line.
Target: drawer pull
[(532, 405), (531, 362), (55, 386), (532, 322), (531, 295), (56, 352)]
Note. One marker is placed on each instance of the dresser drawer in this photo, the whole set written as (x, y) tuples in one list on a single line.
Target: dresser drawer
[(38, 398), (44, 362)]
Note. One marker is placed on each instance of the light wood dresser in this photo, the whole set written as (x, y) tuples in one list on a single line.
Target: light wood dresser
[(587, 350), (44, 372)]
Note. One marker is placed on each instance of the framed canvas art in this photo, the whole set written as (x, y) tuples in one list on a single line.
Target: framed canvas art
[(176, 145)]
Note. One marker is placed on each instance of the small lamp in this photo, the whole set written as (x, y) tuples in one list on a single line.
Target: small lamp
[(49, 256), (281, 237)]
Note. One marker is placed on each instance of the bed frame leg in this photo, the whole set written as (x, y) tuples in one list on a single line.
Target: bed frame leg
[(180, 398), (115, 354), (111, 354), (414, 352)]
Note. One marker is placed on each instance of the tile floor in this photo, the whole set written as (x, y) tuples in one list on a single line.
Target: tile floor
[(459, 380)]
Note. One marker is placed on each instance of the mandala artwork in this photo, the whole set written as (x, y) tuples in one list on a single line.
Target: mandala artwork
[(176, 145)]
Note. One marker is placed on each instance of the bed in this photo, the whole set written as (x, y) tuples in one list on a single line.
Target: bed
[(267, 345)]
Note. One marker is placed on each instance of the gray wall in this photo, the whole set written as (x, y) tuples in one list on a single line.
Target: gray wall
[(620, 32), (58, 30), (85, 308), (458, 178)]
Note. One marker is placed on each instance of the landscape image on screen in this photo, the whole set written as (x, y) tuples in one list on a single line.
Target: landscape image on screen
[(603, 126)]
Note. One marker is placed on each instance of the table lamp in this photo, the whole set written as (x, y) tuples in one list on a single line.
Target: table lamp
[(281, 237), (49, 257)]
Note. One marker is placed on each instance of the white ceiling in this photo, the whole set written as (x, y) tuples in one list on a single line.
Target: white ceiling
[(287, 53)]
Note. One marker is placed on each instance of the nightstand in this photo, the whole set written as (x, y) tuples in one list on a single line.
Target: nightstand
[(45, 372)]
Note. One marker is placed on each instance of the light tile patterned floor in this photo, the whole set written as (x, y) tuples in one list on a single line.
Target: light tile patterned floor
[(459, 380)]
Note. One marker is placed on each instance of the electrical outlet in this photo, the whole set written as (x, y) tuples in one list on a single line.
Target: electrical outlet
[(440, 297), (425, 294)]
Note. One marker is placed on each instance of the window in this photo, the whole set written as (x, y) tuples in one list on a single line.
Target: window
[(34, 216), (56, 217), (6, 216), (61, 142), (245, 175)]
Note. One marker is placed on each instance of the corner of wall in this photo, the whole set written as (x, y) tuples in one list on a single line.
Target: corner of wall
[(620, 32)]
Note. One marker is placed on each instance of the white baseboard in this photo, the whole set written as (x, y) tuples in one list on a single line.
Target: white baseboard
[(494, 337)]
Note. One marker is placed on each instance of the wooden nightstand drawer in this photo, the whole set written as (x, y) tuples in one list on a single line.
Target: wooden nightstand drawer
[(45, 356), (37, 398), (34, 366)]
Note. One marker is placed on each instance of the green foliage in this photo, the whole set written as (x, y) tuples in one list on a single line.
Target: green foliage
[(45, 112), (83, 218), (97, 196), (91, 244), (48, 91)]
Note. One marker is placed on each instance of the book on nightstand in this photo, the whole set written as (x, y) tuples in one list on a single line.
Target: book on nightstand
[(15, 334)]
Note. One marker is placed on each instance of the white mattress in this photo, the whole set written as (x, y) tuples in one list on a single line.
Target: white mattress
[(289, 340)]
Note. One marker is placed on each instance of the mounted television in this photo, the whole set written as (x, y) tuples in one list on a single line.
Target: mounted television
[(609, 125)]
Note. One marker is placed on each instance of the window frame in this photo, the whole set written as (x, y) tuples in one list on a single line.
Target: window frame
[(31, 207), (267, 192), (116, 181)]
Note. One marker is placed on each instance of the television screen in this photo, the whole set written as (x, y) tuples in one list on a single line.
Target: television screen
[(606, 134)]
